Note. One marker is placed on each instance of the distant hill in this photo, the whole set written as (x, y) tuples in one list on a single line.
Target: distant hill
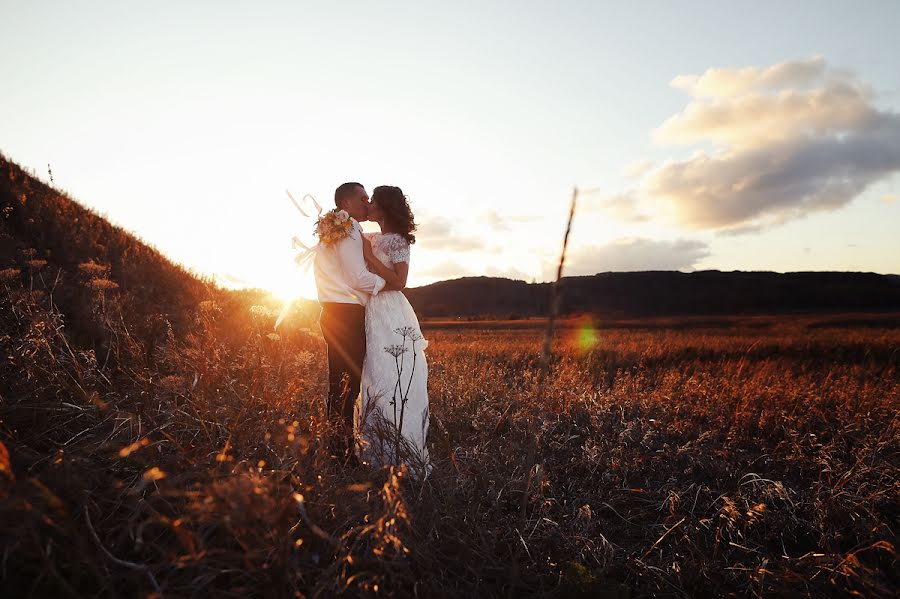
[(663, 293)]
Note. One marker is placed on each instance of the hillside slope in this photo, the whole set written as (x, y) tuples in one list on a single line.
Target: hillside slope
[(50, 242), (53, 239), (109, 348)]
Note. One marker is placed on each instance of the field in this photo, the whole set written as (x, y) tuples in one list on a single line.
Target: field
[(698, 457)]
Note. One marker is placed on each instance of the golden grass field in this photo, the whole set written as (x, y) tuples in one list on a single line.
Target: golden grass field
[(672, 457), (159, 439)]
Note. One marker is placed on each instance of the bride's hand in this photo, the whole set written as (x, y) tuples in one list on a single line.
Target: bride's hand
[(368, 254)]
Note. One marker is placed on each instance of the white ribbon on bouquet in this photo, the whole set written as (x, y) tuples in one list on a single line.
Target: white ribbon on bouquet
[(306, 253)]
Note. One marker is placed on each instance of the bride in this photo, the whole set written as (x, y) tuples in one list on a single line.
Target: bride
[(392, 420)]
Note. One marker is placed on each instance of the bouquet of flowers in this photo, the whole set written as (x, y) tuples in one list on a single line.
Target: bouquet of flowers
[(333, 226)]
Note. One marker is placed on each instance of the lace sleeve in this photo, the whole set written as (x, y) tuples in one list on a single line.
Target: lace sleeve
[(399, 250)]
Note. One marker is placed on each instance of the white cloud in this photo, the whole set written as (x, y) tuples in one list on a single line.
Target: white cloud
[(635, 254), (439, 234), (506, 222), (724, 82), (624, 207), (637, 169), (787, 140), (759, 117)]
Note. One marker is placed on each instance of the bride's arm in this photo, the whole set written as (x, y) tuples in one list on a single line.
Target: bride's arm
[(394, 277)]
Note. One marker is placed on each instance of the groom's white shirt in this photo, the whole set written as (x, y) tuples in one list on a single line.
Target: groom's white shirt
[(341, 273)]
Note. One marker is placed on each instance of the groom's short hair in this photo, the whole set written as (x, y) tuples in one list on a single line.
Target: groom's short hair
[(344, 191)]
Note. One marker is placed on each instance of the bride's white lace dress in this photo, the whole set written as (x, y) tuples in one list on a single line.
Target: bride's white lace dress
[(392, 418)]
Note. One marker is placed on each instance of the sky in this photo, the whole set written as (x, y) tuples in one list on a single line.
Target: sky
[(701, 135)]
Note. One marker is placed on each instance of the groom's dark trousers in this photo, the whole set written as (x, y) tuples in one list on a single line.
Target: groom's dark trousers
[(344, 329)]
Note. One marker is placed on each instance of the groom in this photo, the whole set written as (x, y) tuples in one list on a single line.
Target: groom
[(344, 286)]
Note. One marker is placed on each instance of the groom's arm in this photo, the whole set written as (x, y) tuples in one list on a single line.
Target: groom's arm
[(349, 251)]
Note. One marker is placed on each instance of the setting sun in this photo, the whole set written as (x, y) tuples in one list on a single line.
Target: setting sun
[(289, 285)]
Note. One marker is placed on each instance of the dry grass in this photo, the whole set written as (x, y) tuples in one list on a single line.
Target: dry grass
[(762, 447), (738, 458)]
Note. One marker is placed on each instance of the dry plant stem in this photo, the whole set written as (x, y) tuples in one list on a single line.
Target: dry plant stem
[(545, 362), (398, 386), (554, 289), (120, 562), (405, 396), (659, 540), (315, 528), (398, 362), (409, 384)]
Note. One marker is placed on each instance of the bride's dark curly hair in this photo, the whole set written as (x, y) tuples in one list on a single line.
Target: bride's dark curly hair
[(398, 218)]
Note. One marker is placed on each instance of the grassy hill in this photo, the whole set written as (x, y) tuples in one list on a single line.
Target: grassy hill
[(107, 345)]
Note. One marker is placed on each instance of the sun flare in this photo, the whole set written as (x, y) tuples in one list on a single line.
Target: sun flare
[(291, 286)]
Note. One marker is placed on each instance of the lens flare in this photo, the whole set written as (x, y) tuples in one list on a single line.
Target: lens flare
[(586, 336)]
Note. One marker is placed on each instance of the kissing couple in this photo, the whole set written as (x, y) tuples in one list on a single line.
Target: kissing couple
[(377, 372)]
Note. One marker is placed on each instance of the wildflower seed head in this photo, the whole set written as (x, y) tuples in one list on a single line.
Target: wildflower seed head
[(262, 312), (396, 350), (103, 285), (8, 274), (92, 269)]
